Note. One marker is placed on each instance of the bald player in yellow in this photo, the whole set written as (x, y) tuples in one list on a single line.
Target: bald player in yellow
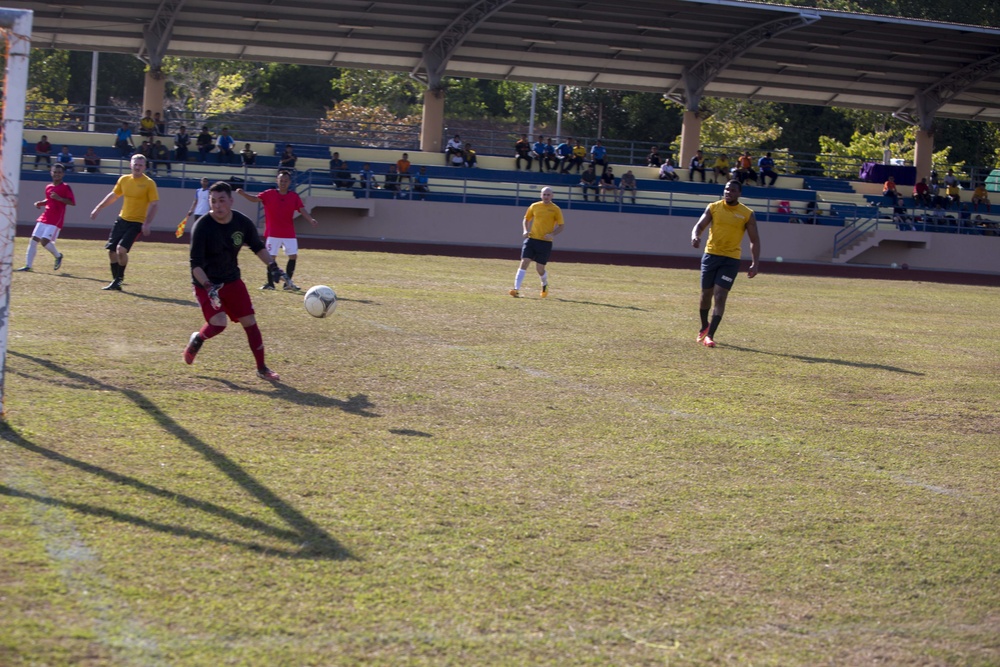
[(140, 200), (542, 222), (727, 220)]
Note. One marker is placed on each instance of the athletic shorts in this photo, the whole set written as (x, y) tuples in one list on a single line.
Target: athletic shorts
[(536, 250), (45, 231), (123, 234), (273, 245), (718, 270), (235, 299)]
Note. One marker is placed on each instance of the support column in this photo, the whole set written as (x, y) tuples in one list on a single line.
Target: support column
[(690, 138), (923, 153), (433, 123), (153, 91)]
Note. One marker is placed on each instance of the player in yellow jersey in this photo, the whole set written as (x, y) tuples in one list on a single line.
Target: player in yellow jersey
[(727, 220), (542, 222), (139, 203)]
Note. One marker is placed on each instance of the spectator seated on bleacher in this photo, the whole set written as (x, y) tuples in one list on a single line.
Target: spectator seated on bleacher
[(65, 158), (766, 167), (421, 184), (366, 177), (627, 183), (744, 169), (205, 143), (43, 151), (901, 219), (288, 158), (161, 156), (922, 193), (392, 181), (667, 172), (588, 181), (248, 156), (468, 156), (123, 140), (225, 143), (979, 197), (454, 152), (91, 161), (607, 183), (721, 168), (654, 159), (340, 173), (147, 126)]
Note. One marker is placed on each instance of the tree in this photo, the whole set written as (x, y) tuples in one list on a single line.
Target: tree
[(841, 160), (396, 92), (370, 126), (205, 87)]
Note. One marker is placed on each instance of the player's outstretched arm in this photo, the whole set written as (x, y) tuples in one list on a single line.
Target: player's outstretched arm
[(108, 200), (248, 197)]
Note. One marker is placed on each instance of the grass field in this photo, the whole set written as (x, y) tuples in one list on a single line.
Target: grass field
[(449, 476)]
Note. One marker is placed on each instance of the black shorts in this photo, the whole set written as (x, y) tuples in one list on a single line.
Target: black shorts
[(536, 250), (718, 270), (123, 234)]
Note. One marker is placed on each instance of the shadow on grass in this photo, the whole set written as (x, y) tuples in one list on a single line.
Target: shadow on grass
[(356, 405), (821, 360), (307, 538), (603, 305), (410, 432)]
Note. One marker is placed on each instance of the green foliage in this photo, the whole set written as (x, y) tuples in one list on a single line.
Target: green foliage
[(46, 112), (289, 85), (840, 160), (394, 91), (47, 73), (207, 87)]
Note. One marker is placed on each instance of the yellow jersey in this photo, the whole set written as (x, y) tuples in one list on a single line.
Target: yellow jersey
[(543, 218), (136, 194), (725, 234)]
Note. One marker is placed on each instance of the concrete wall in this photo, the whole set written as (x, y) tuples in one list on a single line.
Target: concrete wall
[(500, 227)]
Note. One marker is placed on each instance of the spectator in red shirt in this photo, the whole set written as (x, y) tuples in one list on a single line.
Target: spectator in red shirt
[(43, 151)]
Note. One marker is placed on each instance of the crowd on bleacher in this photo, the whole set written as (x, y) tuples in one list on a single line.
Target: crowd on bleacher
[(938, 204)]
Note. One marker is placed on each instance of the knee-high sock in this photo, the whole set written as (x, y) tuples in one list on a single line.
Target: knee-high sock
[(210, 330), (545, 278), (51, 247), (290, 268), (519, 278), (714, 325), (256, 342), (29, 256)]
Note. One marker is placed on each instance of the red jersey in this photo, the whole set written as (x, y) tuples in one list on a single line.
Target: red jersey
[(54, 212), (279, 212)]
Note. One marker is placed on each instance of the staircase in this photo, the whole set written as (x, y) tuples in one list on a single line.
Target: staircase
[(865, 234)]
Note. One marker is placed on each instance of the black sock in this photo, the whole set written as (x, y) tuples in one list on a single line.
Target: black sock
[(121, 272), (715, 325), (704, 318), (269, 280), (290, 268), (114, 270)]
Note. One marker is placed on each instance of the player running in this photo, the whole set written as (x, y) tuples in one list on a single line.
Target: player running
[(280, 206), (58, 195), (542, 222), (216, 240)]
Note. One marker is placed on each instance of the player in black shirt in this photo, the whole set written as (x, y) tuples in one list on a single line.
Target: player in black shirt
[(217, 239)]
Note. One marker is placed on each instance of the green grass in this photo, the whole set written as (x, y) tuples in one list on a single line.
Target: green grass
[(448, 476)]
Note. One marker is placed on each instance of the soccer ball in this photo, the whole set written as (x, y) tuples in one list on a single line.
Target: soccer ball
[(320, 301)]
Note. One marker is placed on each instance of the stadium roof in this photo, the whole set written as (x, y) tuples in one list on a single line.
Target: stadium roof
[(686, 48)]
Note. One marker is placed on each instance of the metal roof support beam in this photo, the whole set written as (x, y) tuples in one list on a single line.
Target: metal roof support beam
[(437, 55), (699, 75), (156, 35), (927, 102)]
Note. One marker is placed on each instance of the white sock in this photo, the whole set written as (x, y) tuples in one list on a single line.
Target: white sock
[(29, 258), (519, 278), (545, 278), (51, 247)]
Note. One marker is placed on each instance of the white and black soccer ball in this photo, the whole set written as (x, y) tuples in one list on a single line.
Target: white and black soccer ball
[(320, 301)]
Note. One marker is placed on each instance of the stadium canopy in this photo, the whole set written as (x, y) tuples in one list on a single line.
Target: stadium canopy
[(684, 48)]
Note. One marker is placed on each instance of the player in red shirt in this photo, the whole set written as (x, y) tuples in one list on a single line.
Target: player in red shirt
[(280, 206), (58, 196)]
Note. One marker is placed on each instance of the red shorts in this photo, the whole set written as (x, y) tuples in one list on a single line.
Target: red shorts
[(235, 301)]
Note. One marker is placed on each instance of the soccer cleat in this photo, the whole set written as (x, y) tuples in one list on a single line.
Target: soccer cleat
[(267, 374), (514, 293), (115, 285), (58, 263), (707, 341), (24, 268), (267, 286), (291, 287), (701, 335), (545, 291), (194, 344)]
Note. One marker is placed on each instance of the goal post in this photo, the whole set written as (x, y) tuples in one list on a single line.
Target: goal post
[(15, 26)]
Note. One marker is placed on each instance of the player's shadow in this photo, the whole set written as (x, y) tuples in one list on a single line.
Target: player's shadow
[(368, 302), (822, 360), (161, 299), (603, 305), (356, 405), (410, 432), (305, 539)]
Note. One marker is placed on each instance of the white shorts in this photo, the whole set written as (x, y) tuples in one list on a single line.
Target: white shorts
[(44, 231), (273, 245)]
